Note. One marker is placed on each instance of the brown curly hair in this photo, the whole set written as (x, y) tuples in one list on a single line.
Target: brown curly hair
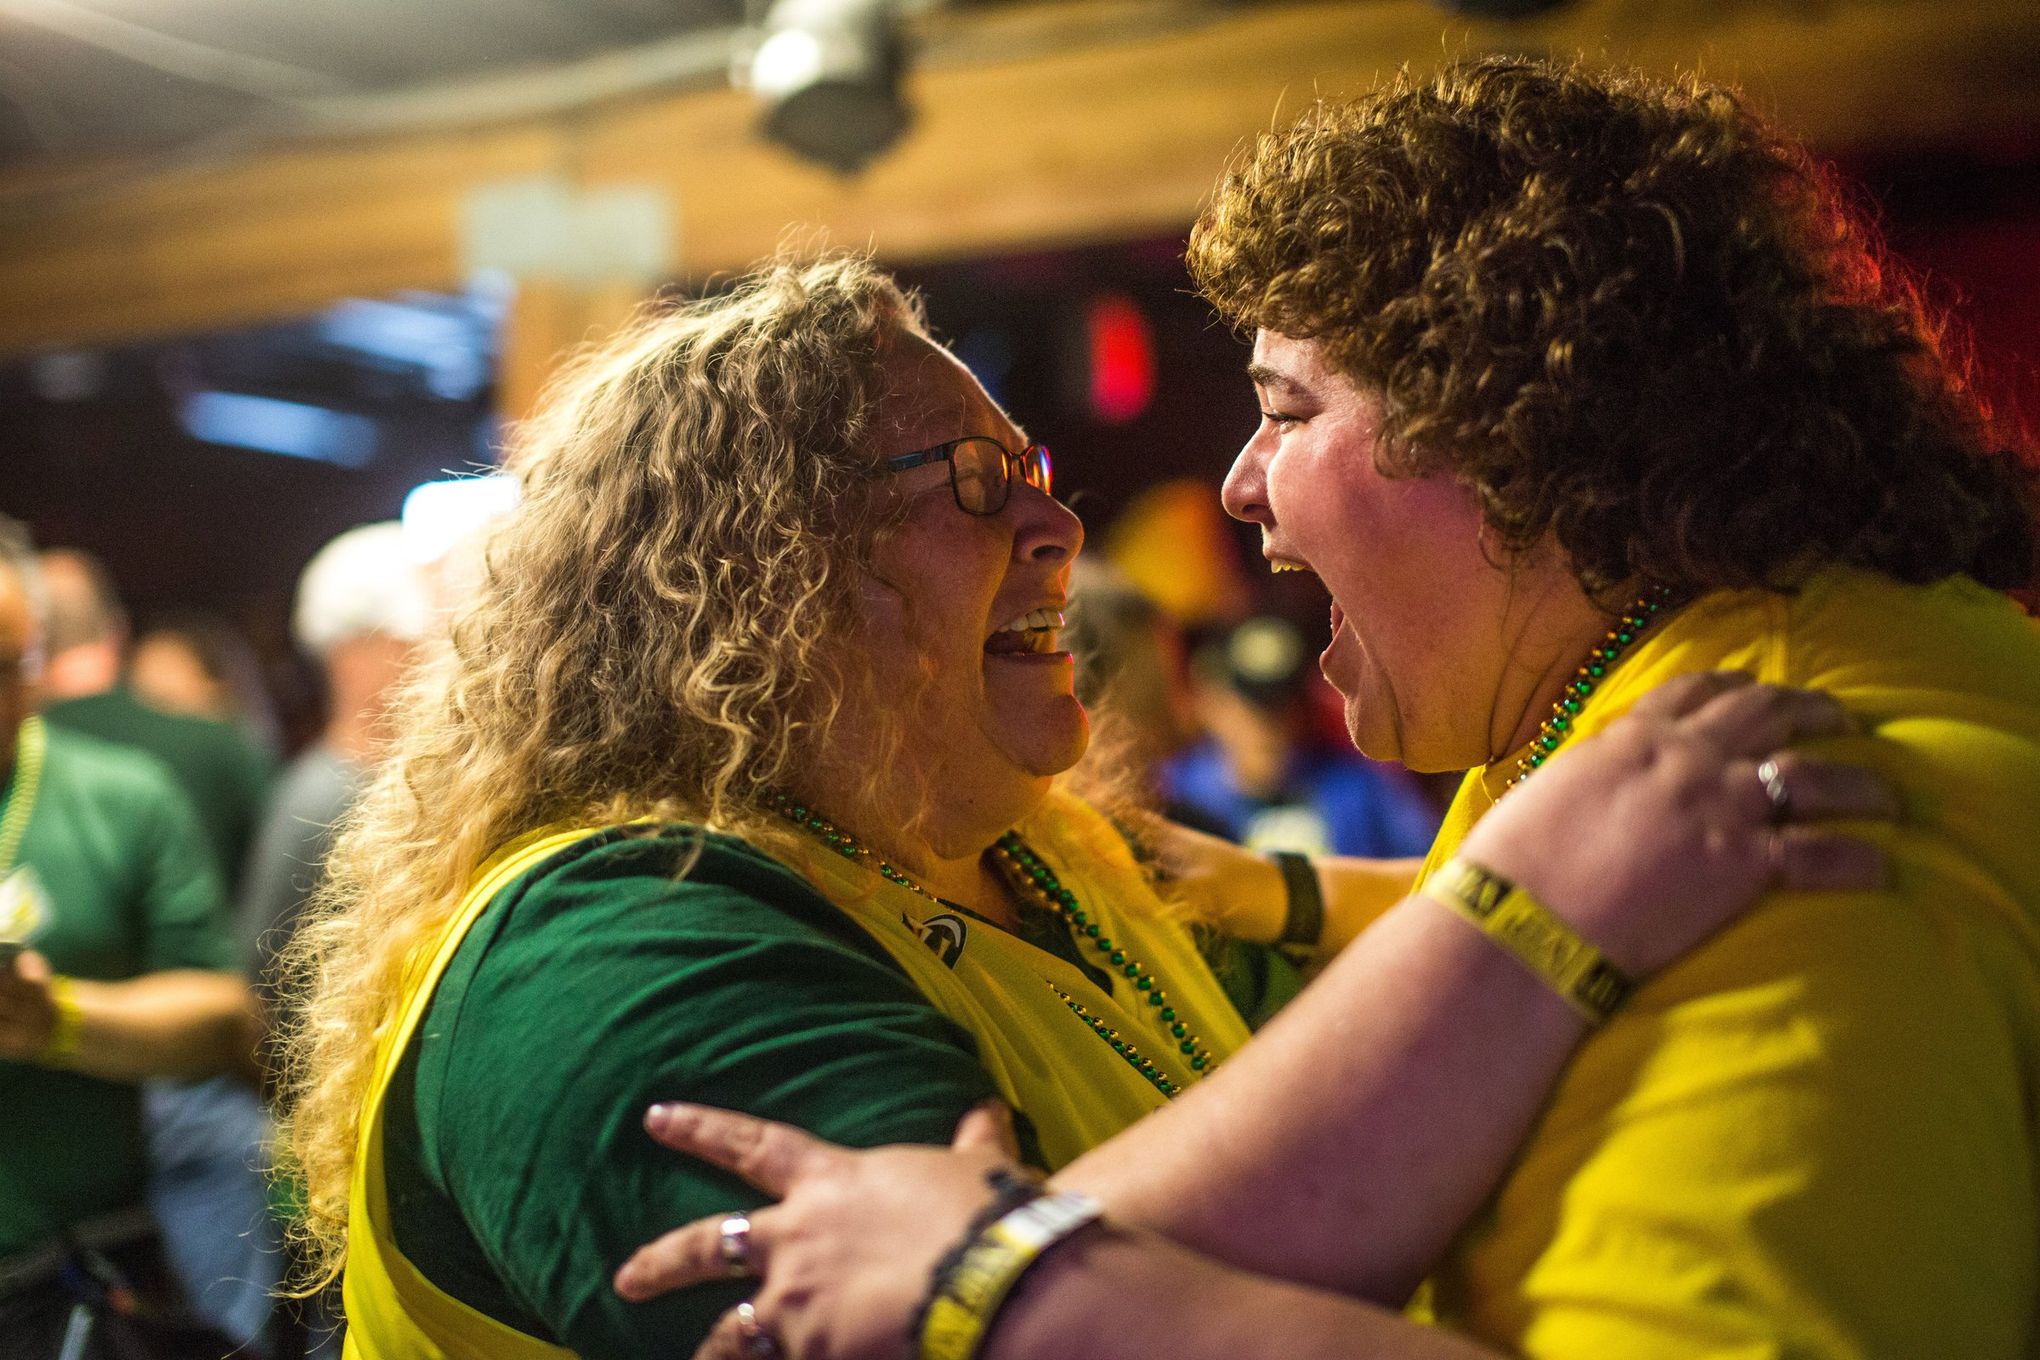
[(1629, 315)]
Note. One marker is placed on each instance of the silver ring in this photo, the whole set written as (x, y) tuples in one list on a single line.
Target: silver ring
[(1773, 780), (756, 1341), (735, 1245)]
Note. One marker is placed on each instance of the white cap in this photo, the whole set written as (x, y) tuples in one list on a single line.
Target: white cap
[(364, 581)]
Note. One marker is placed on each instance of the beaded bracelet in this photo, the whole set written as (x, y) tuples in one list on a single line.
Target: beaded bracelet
[(1303, 920), (969, 1292), (1543, 943), (67, 1026)]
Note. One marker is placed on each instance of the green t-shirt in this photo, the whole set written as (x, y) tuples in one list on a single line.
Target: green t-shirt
[(518, 1170), (224, 773), (121, 884)]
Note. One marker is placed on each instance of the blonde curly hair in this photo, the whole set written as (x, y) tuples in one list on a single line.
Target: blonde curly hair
[(654, 637)]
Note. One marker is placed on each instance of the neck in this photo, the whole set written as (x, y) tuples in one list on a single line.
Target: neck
[(943, 850), (362, 677), (1560, 627), (358, 729)]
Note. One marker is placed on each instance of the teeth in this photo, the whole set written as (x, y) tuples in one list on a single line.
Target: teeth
[(1279, 565), (1033, 619)]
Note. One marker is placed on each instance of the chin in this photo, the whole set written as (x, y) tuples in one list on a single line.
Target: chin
[(1390, 736), (1075, 739), (1055, 741), (1377, 732)]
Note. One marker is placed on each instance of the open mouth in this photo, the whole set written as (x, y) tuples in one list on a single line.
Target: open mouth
[(1278, 565), (1038, 632)]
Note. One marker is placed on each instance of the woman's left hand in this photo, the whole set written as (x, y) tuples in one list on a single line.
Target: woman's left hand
[(846, 1255)]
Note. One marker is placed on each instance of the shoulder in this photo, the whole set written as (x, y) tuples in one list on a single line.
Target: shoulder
[(316, 787), (661, 939), (1951, 643), (208, 753), (671, 881), (222, 747), (104, 772)]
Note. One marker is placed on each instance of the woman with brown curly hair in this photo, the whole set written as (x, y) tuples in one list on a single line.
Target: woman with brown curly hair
[(1571, 383), (736, 785)]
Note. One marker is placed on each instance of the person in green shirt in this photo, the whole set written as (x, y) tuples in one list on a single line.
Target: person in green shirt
[(119, 963), (224, 773)]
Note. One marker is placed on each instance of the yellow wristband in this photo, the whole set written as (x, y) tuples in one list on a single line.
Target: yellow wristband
[(971, 1293), (1544, 944), (66, 1028)]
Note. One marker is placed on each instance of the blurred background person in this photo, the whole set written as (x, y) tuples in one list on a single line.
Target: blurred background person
[(1262, 774), (207, 1138), (1132, 677), (118, 966), (362, 608), (225, 775), (196, 663)]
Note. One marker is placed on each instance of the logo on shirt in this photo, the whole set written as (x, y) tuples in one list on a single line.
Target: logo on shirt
[(944, 936)]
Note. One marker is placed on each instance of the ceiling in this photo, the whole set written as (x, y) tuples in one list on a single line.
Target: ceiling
[(79, 78), (86, 80)]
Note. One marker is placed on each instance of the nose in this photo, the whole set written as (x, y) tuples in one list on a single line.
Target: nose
[(1045, 529), (1246, 486)]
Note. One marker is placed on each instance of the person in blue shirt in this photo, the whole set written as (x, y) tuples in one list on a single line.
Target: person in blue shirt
[(1259, 775)]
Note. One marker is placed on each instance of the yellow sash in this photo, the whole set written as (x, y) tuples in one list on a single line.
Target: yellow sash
[(1042, 1058), (394, 1312)]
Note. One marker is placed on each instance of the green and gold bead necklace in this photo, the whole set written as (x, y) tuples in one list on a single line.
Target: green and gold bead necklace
[(1030, 875), (1027, 874), (842, 842), (1134, 1059), (1558, 726), (19, 801)]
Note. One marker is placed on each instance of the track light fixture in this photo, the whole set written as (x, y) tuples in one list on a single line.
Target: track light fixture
[(829, 73)]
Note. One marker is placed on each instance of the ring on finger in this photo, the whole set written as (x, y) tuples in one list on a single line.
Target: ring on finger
[(734, 1244), (757, 1342), (1772, 777)]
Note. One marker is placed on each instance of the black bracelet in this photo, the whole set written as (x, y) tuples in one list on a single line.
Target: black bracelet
[(1303, 923), (1010, 1190)]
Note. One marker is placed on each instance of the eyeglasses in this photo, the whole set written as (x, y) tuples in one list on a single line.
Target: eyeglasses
[(981, 471)]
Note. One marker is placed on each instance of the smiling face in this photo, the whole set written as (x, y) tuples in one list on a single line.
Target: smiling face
[(1439, 652), (962, 612)]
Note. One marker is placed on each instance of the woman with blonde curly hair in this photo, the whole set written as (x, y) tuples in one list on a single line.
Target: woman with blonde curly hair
[(736, 786), (1571, 384)]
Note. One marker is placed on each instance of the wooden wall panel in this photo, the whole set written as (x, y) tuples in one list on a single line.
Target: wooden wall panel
[(1063, 145)]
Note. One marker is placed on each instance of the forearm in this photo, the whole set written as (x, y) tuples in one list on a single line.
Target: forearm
[(1241, 891), (1121, 1294), (1347, 1144), (1359, 892), (180, 1023)]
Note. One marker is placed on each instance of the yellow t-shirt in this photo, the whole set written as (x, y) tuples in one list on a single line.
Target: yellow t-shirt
[(1815, 1136)]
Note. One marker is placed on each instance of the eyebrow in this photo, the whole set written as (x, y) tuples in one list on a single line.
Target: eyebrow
[(1263, 376)]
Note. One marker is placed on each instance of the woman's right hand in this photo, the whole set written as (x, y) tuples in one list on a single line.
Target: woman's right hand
[(1652, 834)]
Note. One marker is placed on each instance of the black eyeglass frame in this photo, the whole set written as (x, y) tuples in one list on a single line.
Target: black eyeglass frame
[(1032, 465)]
